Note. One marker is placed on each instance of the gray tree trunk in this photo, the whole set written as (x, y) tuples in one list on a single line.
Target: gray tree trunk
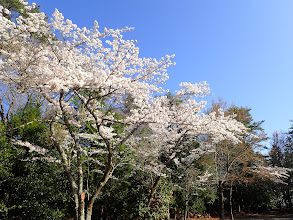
[(221, 201), (231, 204), (186, 205)]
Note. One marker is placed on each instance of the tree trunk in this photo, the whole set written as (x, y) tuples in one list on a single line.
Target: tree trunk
[(76, 205), (221, 201), (81, 207), (287, 195), (186, 205), (103, 181), (153, 190), (155, 185), (81, 194), (168, 216), (231, 204), (289, 202)]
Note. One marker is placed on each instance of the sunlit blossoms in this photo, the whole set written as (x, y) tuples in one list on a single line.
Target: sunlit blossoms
[(99, 94)]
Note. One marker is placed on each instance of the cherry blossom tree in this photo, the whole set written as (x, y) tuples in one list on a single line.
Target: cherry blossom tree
[(98, 93), (184, 125)]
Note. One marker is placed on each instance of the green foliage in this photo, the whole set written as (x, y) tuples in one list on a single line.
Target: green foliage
[(160, 203), (255, 197), (6, 154), (31, 189), (202, 198), (7, 158), (16, 8), (126, 195), (37, 191), (26, 124)]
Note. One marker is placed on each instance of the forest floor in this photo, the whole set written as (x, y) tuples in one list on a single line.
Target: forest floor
[(274, 216), (271, 216)]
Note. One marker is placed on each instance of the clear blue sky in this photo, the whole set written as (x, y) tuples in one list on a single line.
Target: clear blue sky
[(243, 49)]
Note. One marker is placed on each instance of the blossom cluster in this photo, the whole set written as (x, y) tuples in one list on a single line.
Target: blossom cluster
[(96, 78)]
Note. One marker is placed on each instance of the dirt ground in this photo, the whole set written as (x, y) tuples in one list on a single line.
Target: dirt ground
[(250, 216), (265, 216)]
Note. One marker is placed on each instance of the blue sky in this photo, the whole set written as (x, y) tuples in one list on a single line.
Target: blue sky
[(243, 49)]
